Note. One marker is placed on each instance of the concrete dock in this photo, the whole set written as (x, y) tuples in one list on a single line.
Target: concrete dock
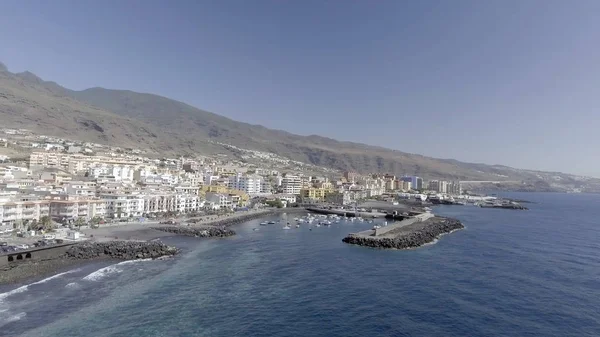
[(381, 232)]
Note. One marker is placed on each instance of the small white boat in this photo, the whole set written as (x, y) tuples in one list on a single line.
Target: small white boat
[(376, 227), (297, 226), (317, 225), (263, 224), (286, 227), (254, 229)]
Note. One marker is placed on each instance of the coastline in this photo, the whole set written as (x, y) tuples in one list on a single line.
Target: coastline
[(139, 236)]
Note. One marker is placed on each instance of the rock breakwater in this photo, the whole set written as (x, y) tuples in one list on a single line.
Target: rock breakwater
[(197, 231), (411, 236), (124, 250), (237, 218)]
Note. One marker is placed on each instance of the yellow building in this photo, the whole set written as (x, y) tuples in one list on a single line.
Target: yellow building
[(315, 193), (239, 196)]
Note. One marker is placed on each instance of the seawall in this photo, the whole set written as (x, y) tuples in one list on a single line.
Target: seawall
[(412, 235)]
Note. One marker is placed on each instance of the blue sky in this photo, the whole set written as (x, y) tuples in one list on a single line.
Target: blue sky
[(499, 82)]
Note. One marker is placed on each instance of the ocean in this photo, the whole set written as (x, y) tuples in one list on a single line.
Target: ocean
[(509, 273)]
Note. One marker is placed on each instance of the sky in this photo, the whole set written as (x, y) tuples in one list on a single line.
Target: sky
[(512, 82)]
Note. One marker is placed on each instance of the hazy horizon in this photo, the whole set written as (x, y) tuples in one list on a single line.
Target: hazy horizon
[(510, 83)]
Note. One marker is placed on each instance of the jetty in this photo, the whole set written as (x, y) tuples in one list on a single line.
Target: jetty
[(412, 232)]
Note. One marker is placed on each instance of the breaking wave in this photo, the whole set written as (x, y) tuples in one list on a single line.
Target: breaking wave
[(110, 270)]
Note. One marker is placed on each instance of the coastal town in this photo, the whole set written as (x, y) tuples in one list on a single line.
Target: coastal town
[(52, 189)]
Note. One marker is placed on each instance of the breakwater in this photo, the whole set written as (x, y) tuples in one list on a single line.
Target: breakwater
[(235, 219), (504, 206), (124, 250), (410, 236), (199, 231)]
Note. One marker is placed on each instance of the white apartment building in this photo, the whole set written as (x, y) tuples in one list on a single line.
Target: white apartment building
[(439, 186), (74, 163), (121, 205), (12, 212), (291, 184), (119, 172), (221, 200), (77, 208), (49, 159), (187, 189), (249, 184), (81, 188), (186, 203), (159, 203)]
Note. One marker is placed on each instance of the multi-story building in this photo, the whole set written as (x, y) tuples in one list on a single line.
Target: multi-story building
[(249, 184), (81, 188), (316, 194), (291, 184), (454, 188), (70, 209), (159, 203), (219, 199), (123, 205), (187, 189), (390, 184), (416, 182), (49, 160), (13, 213), (186, 203), (440, 186), (119, 172)]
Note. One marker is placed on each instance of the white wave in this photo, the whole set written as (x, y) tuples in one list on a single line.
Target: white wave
[(102, 273), (132, 261), (73, 285), (26, 287), (12, 318), (112, 269), (56, 276), (13, 292)]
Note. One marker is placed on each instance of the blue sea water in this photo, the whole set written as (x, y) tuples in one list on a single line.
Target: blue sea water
[(509, 273)]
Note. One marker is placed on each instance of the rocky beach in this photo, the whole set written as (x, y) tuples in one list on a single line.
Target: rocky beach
[(413, 235), (83, 252), (132, 241)]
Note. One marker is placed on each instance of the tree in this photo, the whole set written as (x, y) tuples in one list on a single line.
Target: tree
[(79, 222), (45, 224), (274, 203)]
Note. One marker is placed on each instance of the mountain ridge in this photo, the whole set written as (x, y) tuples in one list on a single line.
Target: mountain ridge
[(163, 125)]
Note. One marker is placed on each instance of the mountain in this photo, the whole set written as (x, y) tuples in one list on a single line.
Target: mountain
[(162, 125)]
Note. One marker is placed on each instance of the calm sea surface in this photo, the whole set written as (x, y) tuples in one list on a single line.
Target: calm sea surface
[(509, 273)]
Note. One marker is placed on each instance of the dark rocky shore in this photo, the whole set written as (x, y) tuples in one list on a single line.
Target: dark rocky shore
[(81, 253), (505, 206), (411, 236), (123, 250), (197, 231)]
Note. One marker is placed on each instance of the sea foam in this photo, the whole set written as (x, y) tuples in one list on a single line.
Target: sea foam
[(110, 270)]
